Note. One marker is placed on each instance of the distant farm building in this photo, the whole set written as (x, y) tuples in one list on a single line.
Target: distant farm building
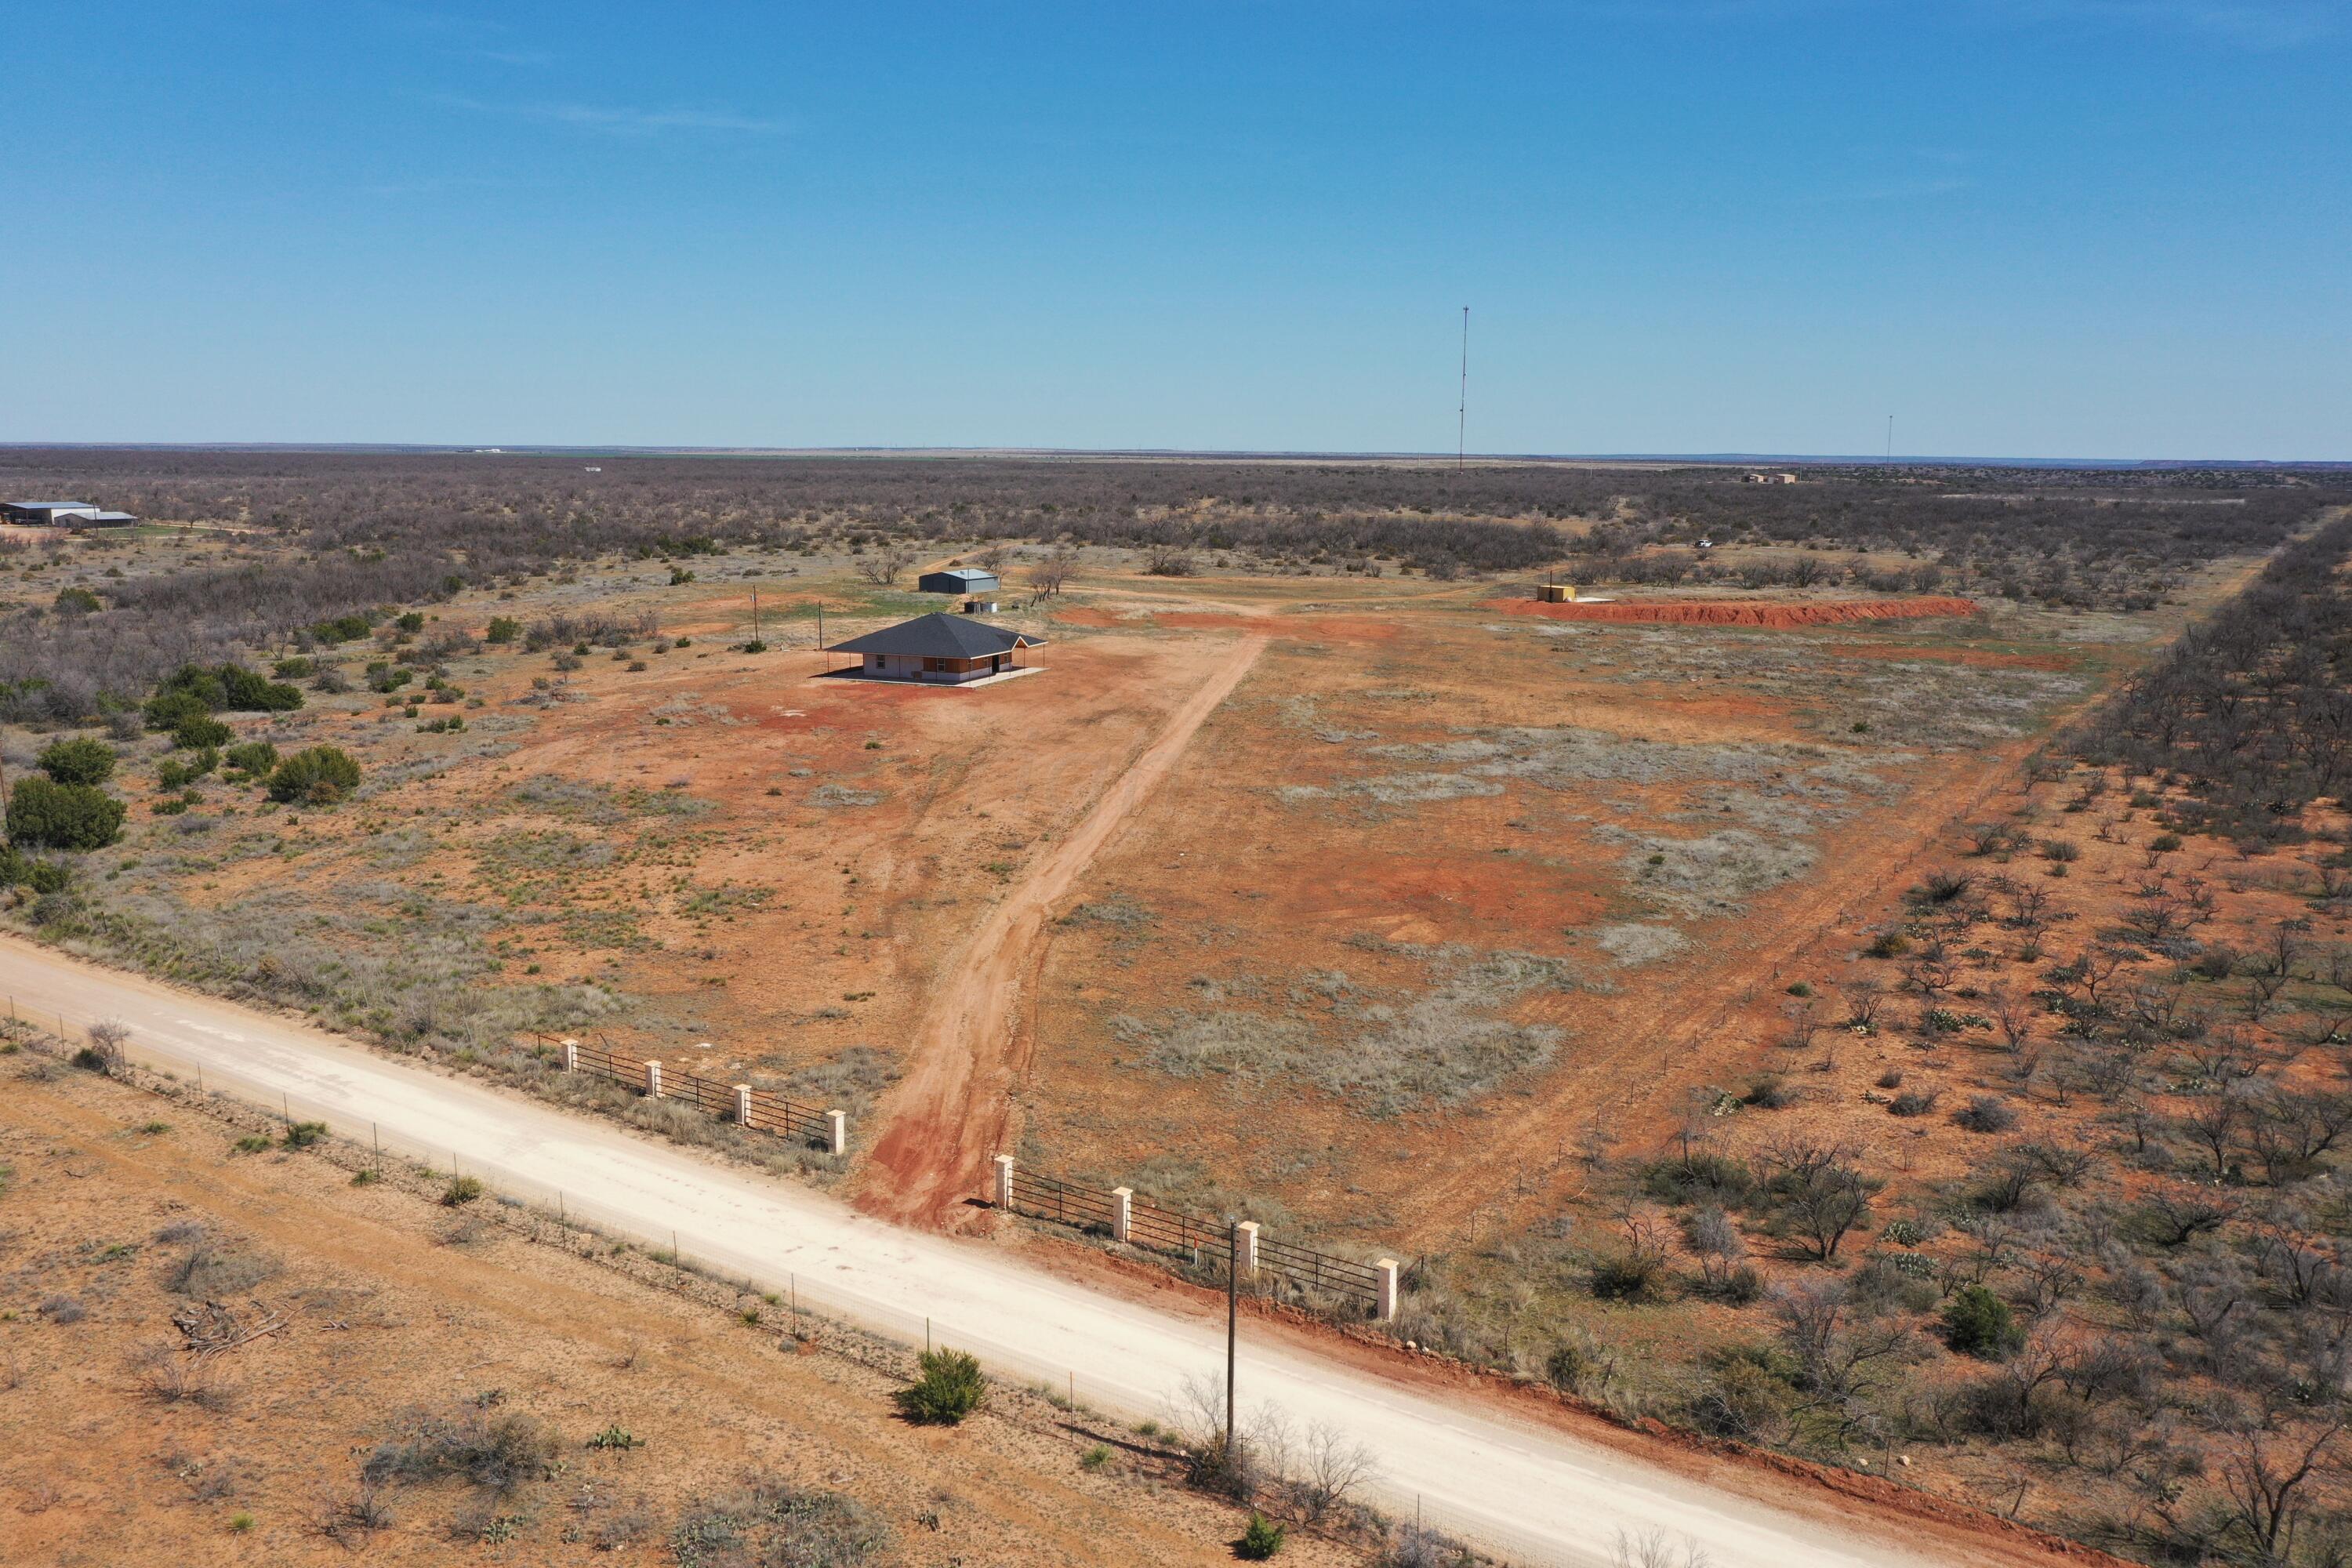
[(957, 579), (942, 648), (62, 514), (1771, 479)]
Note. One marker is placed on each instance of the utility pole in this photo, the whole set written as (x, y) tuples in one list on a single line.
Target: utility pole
[(1890, 437), (1232, 1320), (1461, 409)]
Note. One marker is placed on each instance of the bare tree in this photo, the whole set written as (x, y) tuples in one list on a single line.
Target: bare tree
[(1652, 1550), (2016, 1017), (1841, 1352), (2263, 1469), (1330, 1469), (107, 1037), (1052, 574), (881, 567), (1821, 1198), (1717, 1244), (2212, 1123), (1864, 998)]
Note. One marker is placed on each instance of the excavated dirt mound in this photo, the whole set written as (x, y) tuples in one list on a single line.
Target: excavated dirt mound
[(1729, 612)]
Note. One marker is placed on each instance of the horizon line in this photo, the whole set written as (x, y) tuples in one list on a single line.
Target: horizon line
[(1727, 458)]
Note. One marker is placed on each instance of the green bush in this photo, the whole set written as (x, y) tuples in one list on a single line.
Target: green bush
[(316, 775), (503, 629), (1628, 1277), (461, 1189), (202, 733), (255, 757), (949, 1388), (1260, 1541), (21, 870), (245, 693), (75, 602), (80, 761), (62, 816), (174, 772), (341, 629), (199, 681), (169, 709), (293, 668), (302, 1134), (1978, 1324), (413, 621)]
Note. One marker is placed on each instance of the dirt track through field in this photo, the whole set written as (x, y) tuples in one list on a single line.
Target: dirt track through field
[(947, 1114)]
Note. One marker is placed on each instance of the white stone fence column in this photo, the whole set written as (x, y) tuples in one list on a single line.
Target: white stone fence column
[(653, 1080), (743, 1105), (1122, 1212), (1004, 1181), (1387, 1306), (571, 1055), (838, 1132), (1249, 1260)]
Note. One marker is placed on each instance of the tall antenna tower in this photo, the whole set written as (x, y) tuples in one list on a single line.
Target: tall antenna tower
[(1462, 410), (1890, 437)]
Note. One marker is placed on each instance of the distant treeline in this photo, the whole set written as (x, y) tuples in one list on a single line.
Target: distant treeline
[(2253, 710), (355, 531)]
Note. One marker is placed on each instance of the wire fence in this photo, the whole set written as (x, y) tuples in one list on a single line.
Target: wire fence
[(536, 1208)]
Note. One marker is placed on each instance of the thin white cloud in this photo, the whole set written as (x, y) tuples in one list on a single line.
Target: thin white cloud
[(2260, 24), (2248, 24), (433, 184), (1889, 191), (618, 120), (529, 58)]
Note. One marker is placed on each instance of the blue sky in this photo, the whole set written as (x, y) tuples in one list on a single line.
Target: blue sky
[(2025, 227)]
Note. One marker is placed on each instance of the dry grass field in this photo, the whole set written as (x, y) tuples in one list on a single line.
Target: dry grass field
[(1688, 986), (427, 1384)]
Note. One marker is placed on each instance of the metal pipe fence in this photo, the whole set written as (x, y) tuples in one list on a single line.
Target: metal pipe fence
[(1175, 1233), (767, 1112)]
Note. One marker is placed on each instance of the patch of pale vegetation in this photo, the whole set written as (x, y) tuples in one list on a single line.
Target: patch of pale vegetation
[(1386, 1055), (834, 794), (1633, 945), (1410, 789), (553, 795), (1712, 874), (433, 987)]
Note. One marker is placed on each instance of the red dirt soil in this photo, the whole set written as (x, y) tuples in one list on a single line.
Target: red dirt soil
[(948, 1114), (1727, 613)]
